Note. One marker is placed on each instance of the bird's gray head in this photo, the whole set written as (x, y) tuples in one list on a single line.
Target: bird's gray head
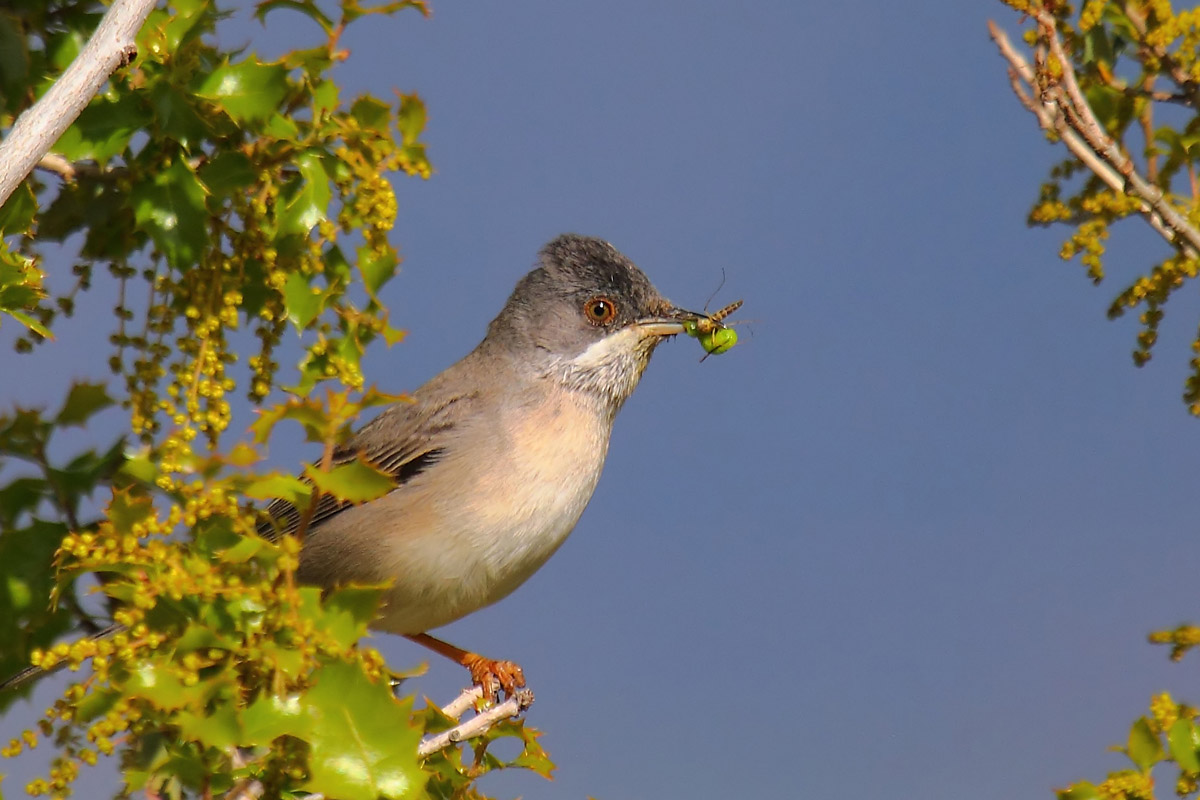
[(586, 315)]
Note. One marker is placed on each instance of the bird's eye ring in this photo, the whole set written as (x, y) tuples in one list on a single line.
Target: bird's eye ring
[(600, 311)]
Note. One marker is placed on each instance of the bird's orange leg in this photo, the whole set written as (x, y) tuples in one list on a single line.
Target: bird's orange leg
[(489, 675)]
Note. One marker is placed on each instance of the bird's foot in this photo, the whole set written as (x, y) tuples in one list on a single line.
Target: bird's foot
[(493, 676)]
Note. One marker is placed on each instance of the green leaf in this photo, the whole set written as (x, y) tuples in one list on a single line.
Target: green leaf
[(18, 497), (1079, 791), (140, 468), (410, 119), (171, 209), (96, 703), (20, 287), (533, 756), (371, 113), (271, 716), (177, 118), (228, 173), (303, 302), (246, 548), (363, 744), (83, 400), (377, 267), (1184, 741), (306, 197), (155, 682), (63, 47), (356, 482), (14, 61), (353, 9), (282, 487), (219, 728), (103, 129), (17, 213), (249, 90), (1144, 747), (30, 323), (306, 7), (324, 97), (307, 412), (348, 611)]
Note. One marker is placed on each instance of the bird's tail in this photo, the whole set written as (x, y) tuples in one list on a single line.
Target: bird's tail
[(31, 673)]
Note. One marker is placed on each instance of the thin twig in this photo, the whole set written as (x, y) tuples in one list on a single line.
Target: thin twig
[(1022, 74), (463, 703), (1064, 110), (477, 725), (53, 162), (39, 127), (1101, 143)]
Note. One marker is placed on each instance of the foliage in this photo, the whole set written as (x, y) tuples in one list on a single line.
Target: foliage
[(1138, 65), (235, 194), (1137, 62)]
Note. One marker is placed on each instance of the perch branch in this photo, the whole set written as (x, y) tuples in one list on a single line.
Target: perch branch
[(38, 128), (477, 725)]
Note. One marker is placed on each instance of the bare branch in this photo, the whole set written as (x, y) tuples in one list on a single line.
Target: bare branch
[(1022, 74), (70, 170), (36, 130), (1065, 110), (53, 162), (477, 725)]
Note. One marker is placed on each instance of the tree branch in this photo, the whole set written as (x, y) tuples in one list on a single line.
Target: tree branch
[(477, 725), (36, 130), (1064, 110)]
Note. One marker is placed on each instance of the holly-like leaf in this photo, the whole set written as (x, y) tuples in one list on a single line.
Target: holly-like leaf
[(249, 90), (303, 302), (306, 7), (17, 213), (219, 727), (14, 60), (84, 400), (270, 717), (20, 289), (282, 487), (410, 118), (103, 129), (171, 210), (306, 198), (346, 613), (356, 482), (227, 174), (377, 267), (177, 117), (307, 412), (363, 744), (154, 681)]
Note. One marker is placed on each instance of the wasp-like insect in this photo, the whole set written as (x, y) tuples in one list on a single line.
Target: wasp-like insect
[(713, 334)]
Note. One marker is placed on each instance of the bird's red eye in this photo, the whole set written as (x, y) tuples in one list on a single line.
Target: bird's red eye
[(600, 310)]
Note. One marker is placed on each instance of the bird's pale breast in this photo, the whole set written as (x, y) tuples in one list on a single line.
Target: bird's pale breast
[(514, 501)]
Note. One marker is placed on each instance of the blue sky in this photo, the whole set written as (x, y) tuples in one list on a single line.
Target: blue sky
[(909, 537)]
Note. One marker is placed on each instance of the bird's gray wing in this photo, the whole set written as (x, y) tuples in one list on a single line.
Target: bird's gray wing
[(403, 441)]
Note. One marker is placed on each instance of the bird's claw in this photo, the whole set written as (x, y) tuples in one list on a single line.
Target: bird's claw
[(494, 676)]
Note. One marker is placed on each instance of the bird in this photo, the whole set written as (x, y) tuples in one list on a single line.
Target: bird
[(494, 459)]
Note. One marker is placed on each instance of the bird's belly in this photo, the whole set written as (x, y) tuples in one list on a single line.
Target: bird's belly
[(515, 515)]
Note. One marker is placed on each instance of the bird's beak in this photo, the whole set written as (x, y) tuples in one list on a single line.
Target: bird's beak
[(668, 323)]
